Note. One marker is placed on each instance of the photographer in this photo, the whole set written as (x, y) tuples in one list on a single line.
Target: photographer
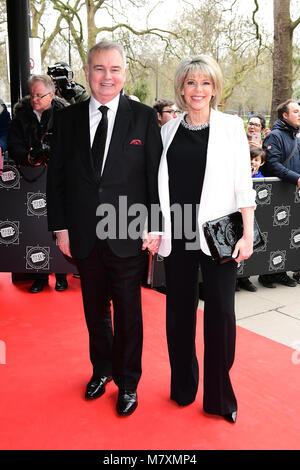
[(29, 140), (65, 87)]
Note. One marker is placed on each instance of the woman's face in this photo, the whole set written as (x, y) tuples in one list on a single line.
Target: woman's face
[(198, 90), (254, 125)]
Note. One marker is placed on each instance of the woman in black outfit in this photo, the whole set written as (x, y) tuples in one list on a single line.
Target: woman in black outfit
[(204, 174)]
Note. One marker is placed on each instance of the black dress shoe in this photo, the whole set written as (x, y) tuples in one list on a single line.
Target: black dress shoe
[(285, 280), (245, 283), (296, 276), (267, 280), (38, 286), (61, 285), (96, 387), (127, 402), (231, 417)]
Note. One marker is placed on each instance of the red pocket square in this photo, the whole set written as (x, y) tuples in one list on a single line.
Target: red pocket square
[(136, 142)]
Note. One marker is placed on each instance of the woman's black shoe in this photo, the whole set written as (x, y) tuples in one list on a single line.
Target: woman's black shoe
[(231, 417)]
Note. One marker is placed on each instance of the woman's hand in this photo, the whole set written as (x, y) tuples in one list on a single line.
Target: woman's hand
[(151, 242), (243, 249)]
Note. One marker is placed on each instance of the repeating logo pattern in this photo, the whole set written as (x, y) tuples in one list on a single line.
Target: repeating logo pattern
[(38, 257), (10, 177), (277, 260), (9, 232), (36, 204), (281, 215), (295, 238), (263, 193)]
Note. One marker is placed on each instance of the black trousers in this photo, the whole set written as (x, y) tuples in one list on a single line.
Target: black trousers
[(115, 347), (182, 283)]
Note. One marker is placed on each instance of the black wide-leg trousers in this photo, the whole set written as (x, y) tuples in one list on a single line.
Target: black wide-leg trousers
[(182, 283), (115, 347)]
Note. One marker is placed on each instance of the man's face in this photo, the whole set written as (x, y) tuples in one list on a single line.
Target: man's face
[(293, 116), (40, 97), (167, 113), (106, 74)]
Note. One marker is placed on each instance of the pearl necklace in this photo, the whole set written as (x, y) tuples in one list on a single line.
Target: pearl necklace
[(192, 127)]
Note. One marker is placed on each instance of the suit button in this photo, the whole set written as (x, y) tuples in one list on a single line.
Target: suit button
[(100, 190)]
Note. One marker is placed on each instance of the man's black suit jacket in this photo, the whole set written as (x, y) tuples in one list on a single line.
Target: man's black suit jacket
[(73, 193)]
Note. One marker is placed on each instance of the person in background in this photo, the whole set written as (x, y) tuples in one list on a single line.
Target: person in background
[(4, 126), (29, 142), (205, 166), (256, 129), (65, 87), (283, 161), (258, 158), (166, 110)]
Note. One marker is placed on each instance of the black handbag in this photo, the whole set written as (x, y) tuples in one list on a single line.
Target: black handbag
[(222, 234)]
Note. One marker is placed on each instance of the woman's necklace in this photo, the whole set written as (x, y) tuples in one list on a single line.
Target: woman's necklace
[(191, 126)]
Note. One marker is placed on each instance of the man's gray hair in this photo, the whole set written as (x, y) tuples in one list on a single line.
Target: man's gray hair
[(45, 79), (106, 45)]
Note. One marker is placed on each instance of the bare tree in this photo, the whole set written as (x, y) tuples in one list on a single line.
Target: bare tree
[(284, 28), (217, 28), (79, 16)]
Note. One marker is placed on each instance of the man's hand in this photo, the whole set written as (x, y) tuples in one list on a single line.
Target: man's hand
[(298, 183), (151, 242), (63, 242)]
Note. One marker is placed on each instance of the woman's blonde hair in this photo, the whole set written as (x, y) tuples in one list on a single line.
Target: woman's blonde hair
[(201, 64)]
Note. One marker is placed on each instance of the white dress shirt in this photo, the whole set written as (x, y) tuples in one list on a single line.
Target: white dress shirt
[(96, 116)]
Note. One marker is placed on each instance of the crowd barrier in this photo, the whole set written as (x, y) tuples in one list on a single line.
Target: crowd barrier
[(27, 247), (278, 216)]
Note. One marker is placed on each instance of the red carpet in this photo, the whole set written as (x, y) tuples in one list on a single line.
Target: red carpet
[(46, 369)]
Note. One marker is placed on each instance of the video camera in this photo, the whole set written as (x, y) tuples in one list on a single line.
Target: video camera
[(62, 75)]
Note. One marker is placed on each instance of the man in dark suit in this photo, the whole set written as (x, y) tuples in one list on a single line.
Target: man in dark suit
[(89, 171)]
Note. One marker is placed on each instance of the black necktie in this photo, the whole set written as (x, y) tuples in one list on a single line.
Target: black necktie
[(98, 146)]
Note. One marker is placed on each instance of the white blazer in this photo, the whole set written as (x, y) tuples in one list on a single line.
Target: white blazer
[(227, 184)]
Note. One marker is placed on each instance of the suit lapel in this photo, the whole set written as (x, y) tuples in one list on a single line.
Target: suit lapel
[(83, 131), (120, 129)]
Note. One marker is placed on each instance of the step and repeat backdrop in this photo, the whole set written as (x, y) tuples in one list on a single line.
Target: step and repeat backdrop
[(26, 245)]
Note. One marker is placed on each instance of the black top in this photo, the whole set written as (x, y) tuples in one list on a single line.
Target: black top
[(186, 158)]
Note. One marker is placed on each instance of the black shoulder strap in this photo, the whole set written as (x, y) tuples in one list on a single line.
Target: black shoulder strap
[(292, 152)]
